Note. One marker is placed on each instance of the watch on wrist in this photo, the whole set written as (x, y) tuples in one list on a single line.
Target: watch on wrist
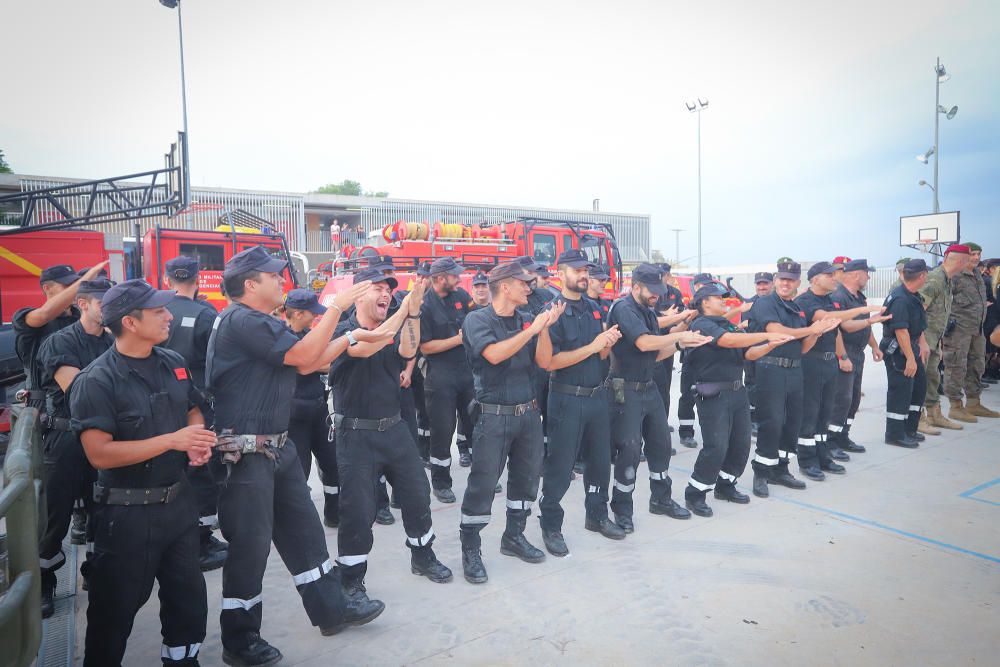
[(351, 339)]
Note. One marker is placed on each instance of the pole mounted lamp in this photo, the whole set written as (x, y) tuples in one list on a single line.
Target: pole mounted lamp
[(696, 107), (176, 4), (940, 76)]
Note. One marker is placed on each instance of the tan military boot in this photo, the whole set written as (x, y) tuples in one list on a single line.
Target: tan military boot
[(936, 418), (924, 425), (974, 407), (958, 412)]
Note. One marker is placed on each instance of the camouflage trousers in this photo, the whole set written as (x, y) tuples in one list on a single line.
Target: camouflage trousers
[(964, 354)]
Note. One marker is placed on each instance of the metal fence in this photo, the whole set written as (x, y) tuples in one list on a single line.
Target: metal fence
[(881, 281), (20, 499)]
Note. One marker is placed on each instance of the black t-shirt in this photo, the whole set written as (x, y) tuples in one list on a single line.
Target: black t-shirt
[(366, 388), (28, 340), (843, 300), (308, 386), (672, 298), (710, 362), (772, 308), (538, 299), (907, 310), (190, 331), (111, 396), (633, 320), (246, 372), (511, 382), (73, 347), (809, 302), (575, 328), (442, 318)]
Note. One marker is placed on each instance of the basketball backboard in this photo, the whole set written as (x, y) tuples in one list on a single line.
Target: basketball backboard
[(932, 232)]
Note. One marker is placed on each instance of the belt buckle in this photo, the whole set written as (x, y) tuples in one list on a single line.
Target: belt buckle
[(171, 493), (355, 426), (383, 424), (578, 391), (520, 409)]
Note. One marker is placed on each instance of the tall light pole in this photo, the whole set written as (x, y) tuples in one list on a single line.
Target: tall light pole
[(940, 76), (697, 107), (677, 245), (176, 4)]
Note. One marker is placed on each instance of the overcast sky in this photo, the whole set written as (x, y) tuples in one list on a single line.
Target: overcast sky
[(817, 110)]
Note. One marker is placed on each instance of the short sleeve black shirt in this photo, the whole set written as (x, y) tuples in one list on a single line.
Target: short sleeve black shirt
[(511, 381), (246, 372), (73, 347), (538, 299), (772, 308), (809, 302), (576, 327), (442, 318), (190, 331), (366, 387), (844, 300), (110, 396), (710, 362), (633, 320), (28, 340), (907, 310), (308, 386)]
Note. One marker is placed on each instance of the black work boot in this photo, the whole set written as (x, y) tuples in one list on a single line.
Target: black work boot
[(606, 527), (472, 557), (554, 543), (728, 491), (257, 653), (834, 468), (849, 445), (917, 435), (78, 530), (513, 542), (667, 507), (425, 563), (331, 510), (464, 458), (813, 473), (48, 596), (782, 477), (212, 553), (760, 484), (836, 453), (498, 488), (688, 441), (384, 517), (625, 523), (360, 609), (444, 495), (694, 499)]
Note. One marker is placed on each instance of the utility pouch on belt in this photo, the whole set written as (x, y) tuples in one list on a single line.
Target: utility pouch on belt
[(707, 389), (618, 390), (952, 323), (889, 345), (475, 408)]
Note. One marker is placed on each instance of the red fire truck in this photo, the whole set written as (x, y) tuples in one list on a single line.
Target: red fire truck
[(480, 247)]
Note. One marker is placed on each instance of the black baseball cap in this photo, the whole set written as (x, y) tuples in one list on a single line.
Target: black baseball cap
[(574, 258), (95, 289), (820, 267), (304, 299), (713, 288), (123, 298), (993, 262), (514, 269), (651, 277), (182, 267), (666, 267), (60, 273), (374, 274), (600, 272), (381, 262), (789, 270), (446, 265), (858, 265), (528, 263), (916, 266), (253, 259), (424, 269), (763, 277), (103, 273), (702, 278), (480, 279)]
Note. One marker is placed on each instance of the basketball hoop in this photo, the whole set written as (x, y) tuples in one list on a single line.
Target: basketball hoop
[(925, 245)]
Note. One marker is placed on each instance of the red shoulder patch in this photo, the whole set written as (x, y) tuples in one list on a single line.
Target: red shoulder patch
[(802, 313), (458, 305), (181, 373), (597, 315), (525, 326), (836, 305)]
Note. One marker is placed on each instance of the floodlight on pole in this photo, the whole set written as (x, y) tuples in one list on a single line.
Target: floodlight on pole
[(925, 158), (697, 106), (922, 183), (176, 4)]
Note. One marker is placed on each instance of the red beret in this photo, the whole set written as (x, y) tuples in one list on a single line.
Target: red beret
[(963, 249), (840, 260)]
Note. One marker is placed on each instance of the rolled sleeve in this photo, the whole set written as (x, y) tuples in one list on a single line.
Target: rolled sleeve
[(900, 316), (630, 324), (92, 405), (264, 337), (477, 334), (707, 327)]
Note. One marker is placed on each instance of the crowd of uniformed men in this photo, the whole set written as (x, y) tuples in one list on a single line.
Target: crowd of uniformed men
[(164, 419)]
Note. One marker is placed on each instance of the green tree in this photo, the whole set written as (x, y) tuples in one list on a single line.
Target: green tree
[(349, 187), (4, 167), (657, 256)]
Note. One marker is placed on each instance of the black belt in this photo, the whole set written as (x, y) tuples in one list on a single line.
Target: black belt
[(25, 395), (735, 385), (516, 410), (155, 496), (356, 424), (574, 390), (780, 361), (635, 386), (56, 423), (825, 356)]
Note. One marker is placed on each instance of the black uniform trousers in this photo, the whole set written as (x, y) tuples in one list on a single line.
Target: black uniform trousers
[(779, 415), (579, 428), (750, 382), (904, 396), (133, 546), (448, 390), (641, 419), (725, 433), (819, 380), (846, 398), (362, 456), (68, 476), (264, 501), (498, 440), (206, 479), (417, 386), (408, 411), (309, 429), (664, 377), (685, 404)]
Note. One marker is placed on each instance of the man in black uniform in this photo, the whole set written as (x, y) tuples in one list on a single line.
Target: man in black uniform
[(580, 423), (502, 349), (448, 383), (763, 285), (251, 367), (856, 333), (68, 474), (190, 329), (480, 291), (419, 393), (721, 398), (136, 410), (370, 435), (538, 299), (906, 352), (309, 426), (672, 317), (685, 404), (819, 373), (638, 415), (779, 379)]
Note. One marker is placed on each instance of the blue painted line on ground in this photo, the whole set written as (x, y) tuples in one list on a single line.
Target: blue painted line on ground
[(897, 531), (983, 500), (976, 489)]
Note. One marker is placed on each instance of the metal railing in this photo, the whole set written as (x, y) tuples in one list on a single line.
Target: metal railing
[(20, 499)]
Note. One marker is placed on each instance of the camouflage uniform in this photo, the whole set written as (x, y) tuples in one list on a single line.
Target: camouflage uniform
[(965, 348), (937, 301)]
